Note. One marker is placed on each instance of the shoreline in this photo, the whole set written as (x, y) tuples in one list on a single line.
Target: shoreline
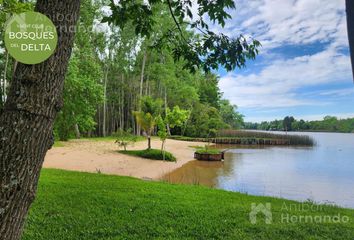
[(103, 157)]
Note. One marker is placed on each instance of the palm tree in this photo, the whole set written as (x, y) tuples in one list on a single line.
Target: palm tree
[(350, 24), (147, 122), (148, 114)]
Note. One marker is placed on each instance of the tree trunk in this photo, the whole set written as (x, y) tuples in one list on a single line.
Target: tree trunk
[(147, 86), (5, 76), (76, 128), (142, 75), (77, 131), (122, 124), (141, 88), (186, 123), (167, 125), (104, 103), (149, 142), (350, 24), (26, 122)]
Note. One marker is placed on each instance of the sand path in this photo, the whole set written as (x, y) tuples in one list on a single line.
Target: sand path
[(102, 156)]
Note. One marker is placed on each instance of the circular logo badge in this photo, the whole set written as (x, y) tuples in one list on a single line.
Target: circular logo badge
[(30, 37)]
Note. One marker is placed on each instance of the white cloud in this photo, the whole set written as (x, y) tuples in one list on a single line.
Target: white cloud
[(278, 83), (338, 92), (279, 23)]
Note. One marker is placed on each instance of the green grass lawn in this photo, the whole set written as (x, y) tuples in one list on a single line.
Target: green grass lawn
[(72, 205), (154, 154)]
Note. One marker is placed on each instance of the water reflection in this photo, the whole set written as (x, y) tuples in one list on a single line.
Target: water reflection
[(324, 173), (197, 172)]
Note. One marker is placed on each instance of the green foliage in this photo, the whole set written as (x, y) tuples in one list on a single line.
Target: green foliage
[(287, 123), (13, 7), (205, 52), (125, 67), (117, 53), (81, 94), (148, 116), (152, 106), (154, 154), (162, 130), (81, 206), (230, 115), (208, 150), (162, 133), (82, 90), (209, 92), (203, 121), (125, 138), (7, 9), (177, 117), (146, 121)]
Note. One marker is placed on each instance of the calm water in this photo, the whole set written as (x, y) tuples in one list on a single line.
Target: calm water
[(324, 173)]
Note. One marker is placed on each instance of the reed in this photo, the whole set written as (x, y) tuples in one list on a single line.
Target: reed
[(291, 139), (240, 137)]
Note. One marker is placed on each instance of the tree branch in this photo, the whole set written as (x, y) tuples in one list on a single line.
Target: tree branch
[(176, 22)]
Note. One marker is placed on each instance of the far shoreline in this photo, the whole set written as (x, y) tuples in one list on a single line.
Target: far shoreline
[(310, 131)]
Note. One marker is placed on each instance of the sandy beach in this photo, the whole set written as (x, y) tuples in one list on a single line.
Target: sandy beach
[(103, 156)]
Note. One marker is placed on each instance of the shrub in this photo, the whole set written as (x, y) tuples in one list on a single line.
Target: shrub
[(124, 139), (208, 151), (153, 154)]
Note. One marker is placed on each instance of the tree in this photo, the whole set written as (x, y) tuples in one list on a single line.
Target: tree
[(162, 133), (35, 94), (7, 8), (125, 138), (207, 51), (209, 91), (147, 123), (287, 123), (203, 120), (26, 121), (81, 93), (230, 115), (82, 90), (350, 24), (148, 116), (176, 118)]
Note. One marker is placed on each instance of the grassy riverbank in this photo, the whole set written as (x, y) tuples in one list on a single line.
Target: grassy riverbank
[(78, 206)]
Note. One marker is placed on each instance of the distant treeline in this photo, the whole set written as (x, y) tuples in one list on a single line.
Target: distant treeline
[(328, 124)]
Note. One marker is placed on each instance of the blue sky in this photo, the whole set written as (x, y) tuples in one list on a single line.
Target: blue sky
[(303, 69)]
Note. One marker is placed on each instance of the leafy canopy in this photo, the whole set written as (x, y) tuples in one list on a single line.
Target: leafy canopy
[(207, 50)]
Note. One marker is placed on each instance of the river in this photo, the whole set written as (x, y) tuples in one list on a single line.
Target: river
[(323, 173)]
